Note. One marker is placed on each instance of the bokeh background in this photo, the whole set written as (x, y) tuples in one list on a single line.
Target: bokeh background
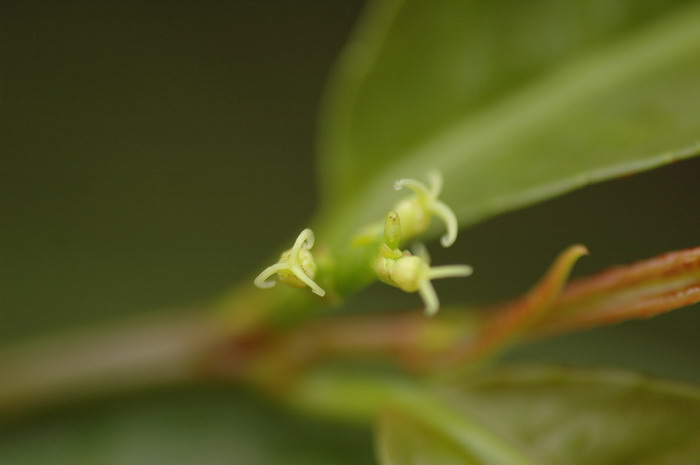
[(153, 154)]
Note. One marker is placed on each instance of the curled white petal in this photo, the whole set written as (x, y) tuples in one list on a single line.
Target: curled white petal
[(449, 218), (430, 298), (261, 280), (450, 271), (306, 239), (418, 187), (315, 288)]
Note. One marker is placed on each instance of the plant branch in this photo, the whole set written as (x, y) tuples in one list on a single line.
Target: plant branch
[(244, 346), (459, 340), (133, 355)]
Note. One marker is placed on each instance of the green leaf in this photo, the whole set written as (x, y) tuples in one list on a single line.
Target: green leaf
[(549, 416), (515, 102)]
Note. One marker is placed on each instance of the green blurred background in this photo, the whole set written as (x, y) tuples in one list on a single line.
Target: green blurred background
[(155, 153)]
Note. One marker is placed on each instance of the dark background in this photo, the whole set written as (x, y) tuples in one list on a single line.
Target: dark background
[(155, 153)]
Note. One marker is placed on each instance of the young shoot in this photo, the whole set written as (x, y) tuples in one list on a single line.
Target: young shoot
[(296, 266)]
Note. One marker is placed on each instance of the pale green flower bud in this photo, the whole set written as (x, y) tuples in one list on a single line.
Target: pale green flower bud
[(416, 212), (296, 266), (411, 273)]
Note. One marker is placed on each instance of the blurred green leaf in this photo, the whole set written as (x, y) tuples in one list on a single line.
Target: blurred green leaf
[(515, 102), (203, 426), (551, 416)]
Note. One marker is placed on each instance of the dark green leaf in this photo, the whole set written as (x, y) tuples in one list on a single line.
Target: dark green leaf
[(549, 416), (515, 102)]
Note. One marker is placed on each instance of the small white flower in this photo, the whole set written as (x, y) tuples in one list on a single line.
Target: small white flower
[(412, 273), (416, 212), (296, 266)]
